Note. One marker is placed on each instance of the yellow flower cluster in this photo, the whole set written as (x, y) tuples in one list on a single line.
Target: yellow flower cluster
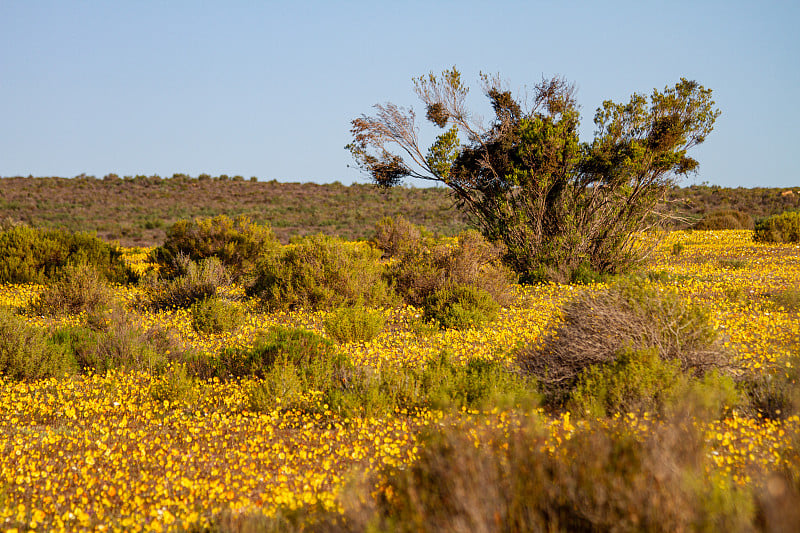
[(100, 452)]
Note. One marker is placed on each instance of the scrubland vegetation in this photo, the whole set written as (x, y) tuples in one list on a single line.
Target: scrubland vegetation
[(226, 382)]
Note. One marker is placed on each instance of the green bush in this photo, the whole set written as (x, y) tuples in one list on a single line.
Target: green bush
[(429, 267), (773, 391), (175, 385), (79, 288), (322, 272), (30, 255), (639, 381), (279, 345), (788, 298), (236, 242), (475, 384), (26, 352), (397, 237), (784, 227), (121, 342), (725, 219), (213, 315), (460, 307), (354, 324), (201, 280), (631, 314)]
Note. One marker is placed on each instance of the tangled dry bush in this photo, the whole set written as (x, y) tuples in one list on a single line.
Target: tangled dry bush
[(597, 326)]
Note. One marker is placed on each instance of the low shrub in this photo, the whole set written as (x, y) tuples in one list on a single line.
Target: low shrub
[(475, 384), (460, 307), (600, 479), (120, 342), (784, 227), (640, 317), (280, 345), (429, 267), (237, 243), (322, 272), (214, 315), (774, 390), (354, 324), (788, 299), (26, 352), (732, 263), (175, 385), (639, 381), (200, 281), (397, 237), (30, 255), (79, 288), (725, 219)]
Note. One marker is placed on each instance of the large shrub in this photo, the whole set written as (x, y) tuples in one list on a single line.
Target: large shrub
[(598, 326), (236, 242), (527, 180), (32, 255), (784, 227), (321, 272)]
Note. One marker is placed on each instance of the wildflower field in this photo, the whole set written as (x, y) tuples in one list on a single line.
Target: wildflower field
[(132, 450)]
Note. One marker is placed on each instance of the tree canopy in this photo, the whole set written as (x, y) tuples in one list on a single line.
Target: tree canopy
[(557, 204)]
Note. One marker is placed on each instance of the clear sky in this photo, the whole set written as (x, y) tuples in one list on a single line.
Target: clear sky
[(268, 89)]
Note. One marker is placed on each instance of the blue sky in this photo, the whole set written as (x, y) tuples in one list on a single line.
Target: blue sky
[(268, 89)]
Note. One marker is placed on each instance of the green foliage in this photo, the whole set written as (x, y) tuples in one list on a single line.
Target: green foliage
[(30, 255), (460, 307), (280, 345), (321, 273), (175, 385), (423, 267), (475, 384), (26, 353), (788, 298), (725, 219), (528, 182), (200, 281), (397, 237), (120, 342), (678, 248), (214, 315), (640, 317), (79, 288), (639, 381), (784, 227), (237, 243), (732, 263), (354, 324)]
